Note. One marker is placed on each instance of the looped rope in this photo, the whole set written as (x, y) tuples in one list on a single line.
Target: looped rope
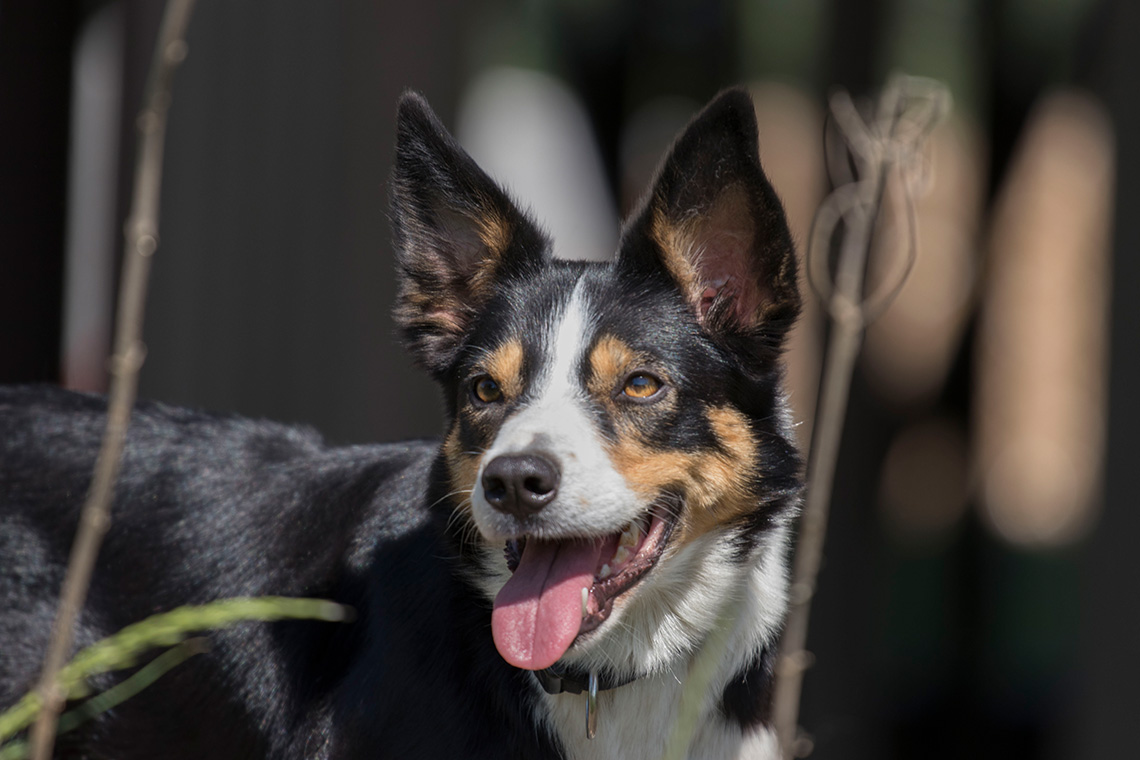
[(892, 142)]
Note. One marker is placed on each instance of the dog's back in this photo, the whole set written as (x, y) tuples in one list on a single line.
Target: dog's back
[(210, 507)]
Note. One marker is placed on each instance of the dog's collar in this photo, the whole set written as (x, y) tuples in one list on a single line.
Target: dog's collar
[(556, 680)]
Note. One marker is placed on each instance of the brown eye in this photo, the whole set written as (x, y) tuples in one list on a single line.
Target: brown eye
[(487, 390), (641, 386)]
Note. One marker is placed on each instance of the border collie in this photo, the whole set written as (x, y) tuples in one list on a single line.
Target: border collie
[(617, 472)]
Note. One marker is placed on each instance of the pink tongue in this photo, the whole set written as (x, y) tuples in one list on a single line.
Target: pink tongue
[(539, 611)]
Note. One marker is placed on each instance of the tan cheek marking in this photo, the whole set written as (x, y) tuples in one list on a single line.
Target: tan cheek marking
[(505, 364), (715, 484), (463, 467), (734, 433), (649, 472)]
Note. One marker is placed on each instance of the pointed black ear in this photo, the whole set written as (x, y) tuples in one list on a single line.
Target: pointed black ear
[(714, 224), (455, 233)]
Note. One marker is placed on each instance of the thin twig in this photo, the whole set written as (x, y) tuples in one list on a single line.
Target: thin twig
[(908, 109), (129, 351)]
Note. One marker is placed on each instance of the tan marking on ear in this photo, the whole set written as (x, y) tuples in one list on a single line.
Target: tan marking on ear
[(708, 252), (676, 241), (496, 232), (715, 483), (505, 365), (427, 303), (429, 309), (462, 468)]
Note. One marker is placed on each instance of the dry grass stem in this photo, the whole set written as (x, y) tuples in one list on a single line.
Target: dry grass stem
[(141, 242)]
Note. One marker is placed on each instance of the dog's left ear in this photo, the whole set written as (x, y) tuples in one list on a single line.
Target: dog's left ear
[(456, 233), (714, 224)]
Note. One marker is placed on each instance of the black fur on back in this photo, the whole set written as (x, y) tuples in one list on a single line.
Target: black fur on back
[(210, 507)]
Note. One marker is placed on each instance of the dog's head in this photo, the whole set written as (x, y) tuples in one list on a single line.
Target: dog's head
[(618, 435)]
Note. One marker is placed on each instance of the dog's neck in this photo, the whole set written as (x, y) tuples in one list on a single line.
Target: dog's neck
[(636, 720)]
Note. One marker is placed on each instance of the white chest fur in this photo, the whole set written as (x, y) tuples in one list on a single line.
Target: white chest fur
[(635, 722)]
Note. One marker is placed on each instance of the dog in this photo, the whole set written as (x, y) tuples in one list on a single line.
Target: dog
[(616, 487)]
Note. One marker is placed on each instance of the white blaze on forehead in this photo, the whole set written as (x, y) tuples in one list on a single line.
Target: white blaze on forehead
[(592, 496), (556, 418), (569, 338)]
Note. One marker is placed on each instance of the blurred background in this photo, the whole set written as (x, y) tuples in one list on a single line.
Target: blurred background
[(978, 597)]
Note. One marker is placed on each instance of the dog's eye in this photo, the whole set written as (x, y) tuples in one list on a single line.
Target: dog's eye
[(641, 385), (486, 389)]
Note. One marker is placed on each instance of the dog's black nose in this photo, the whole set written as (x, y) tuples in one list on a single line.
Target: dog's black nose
[(520, 484)]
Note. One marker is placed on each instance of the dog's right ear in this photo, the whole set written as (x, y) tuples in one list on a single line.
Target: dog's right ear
[(714, 225), (455, 233)]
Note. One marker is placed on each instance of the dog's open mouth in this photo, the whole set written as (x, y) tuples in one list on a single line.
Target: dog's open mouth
[(562, 588)]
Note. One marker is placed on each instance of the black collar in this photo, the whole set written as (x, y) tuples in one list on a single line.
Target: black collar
[(557, 679)]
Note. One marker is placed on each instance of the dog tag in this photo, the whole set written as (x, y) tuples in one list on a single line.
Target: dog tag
[(592, 706)]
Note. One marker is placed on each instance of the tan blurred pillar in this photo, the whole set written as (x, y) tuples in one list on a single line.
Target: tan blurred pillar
[(1042, 344)]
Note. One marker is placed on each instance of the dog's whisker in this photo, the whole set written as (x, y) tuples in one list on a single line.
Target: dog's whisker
[(462, 512), (447, 496)]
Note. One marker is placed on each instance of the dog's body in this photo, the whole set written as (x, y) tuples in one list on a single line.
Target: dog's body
[(617, 474)]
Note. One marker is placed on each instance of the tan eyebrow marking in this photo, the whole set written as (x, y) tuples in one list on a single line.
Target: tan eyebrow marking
[(610, 359), (505, 365)]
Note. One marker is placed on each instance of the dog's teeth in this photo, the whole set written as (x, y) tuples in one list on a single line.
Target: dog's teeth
[(622, 555), (606, 572)]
